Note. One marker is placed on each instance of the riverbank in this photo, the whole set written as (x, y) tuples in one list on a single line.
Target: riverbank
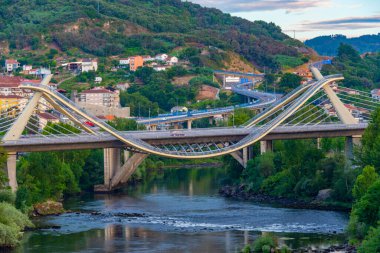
[(240, 193)]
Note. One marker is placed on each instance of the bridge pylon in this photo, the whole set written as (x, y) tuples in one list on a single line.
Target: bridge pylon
[(118, 168)]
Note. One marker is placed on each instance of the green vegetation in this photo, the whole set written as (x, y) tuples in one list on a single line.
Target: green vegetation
[(360, 73), (139, 27), (263, 244), (12, 221), (364, 223), (328, 45), (288, 62)]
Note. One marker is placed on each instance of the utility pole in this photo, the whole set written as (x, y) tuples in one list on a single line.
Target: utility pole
[(98, 6)]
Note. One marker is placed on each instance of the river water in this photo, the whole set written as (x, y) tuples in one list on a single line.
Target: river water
[(179, 210)]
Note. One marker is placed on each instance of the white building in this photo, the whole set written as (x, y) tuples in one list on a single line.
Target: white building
[(27, 67), (122, 86), (232, 79), (161, 57), (160, 68), (98, 79), (172, 60), (89, 65), (148, 58), (11, 65), (124, 61), (376, 94)]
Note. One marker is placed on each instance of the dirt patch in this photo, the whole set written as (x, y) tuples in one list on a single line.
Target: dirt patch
[(207, 92), (183, 80), (237, 63)]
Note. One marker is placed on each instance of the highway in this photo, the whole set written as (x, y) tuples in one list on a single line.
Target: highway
[(261, 100)]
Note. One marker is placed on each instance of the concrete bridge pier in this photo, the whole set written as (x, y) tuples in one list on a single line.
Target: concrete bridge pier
[(266, 146), (115, 173), (243, 156), (152, 127), (351, 142), (189, 122), (11, 171)]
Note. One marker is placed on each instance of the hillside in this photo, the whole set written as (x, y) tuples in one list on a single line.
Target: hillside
[(328, 45), (359, 72), (126, 27)]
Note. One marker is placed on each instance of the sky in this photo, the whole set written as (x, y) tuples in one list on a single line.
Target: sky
[(309, 18)]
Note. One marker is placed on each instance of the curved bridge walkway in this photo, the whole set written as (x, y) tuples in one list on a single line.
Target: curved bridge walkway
[(311, 111)]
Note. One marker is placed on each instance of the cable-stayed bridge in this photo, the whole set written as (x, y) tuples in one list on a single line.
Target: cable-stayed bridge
[(314, 110)]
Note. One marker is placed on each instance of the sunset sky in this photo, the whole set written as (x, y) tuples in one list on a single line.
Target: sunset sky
[(310, 18)]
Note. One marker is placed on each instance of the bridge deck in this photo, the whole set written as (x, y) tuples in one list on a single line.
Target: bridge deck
[(77, 142)]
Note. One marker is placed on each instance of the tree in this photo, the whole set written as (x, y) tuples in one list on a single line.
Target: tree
[(347, 52), (240, 116), (369, 153), (123, 124), (364, 181), (290, 81), (365, 213)]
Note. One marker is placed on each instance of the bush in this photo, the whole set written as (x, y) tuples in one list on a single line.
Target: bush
[(260, 243), (12, 222), (280, 184), (6, 195), (372, 242), (365, 213)]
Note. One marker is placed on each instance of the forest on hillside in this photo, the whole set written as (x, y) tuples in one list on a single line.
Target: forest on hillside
[(136, 26), (328, 45)]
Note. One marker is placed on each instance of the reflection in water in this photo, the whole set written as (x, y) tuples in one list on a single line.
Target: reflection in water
[(179, 211)]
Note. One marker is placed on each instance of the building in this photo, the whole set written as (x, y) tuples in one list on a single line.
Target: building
[(89, 65), (9, 85), (179, 109), (159, 68), (147, 58), (124, 61), (135, 63), (376, 94), (172, 60), (83, 65), (9, 101), (27, 68), (44, 118), (11, 65), (98, 79), (100, 96), (161, 57), (122, 86)]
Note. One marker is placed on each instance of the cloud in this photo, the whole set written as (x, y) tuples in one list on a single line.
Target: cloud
[(261, 5), (349, 23)]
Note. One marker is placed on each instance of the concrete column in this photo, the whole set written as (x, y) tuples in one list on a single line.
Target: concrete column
[(245, 157), (11, 170), (176, 126), (111, 164), (319, 145), (250, 153), (266, 146), (351, 142), (224, 81), (210, 120), (126, 155), (189, 122), (153, 127)]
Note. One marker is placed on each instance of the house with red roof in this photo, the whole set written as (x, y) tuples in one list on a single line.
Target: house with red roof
[(11, 65)]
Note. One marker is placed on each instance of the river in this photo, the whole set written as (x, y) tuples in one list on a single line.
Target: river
[(178, 210)]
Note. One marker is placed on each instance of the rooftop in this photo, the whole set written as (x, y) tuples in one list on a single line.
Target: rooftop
[(46, 115)]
